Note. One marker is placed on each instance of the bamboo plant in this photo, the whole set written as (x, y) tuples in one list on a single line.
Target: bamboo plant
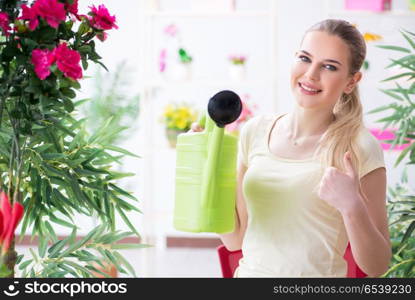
[(401, 198)]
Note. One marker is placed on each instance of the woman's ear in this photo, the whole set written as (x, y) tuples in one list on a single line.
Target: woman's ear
[(353, 82)]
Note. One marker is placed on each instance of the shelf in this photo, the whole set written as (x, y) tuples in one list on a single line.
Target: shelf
[(365, 13), (204, 14)]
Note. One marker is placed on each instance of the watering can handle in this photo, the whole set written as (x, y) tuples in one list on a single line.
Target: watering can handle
[(214, 145), (206, 122)]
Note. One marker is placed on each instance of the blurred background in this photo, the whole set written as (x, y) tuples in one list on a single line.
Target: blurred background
[(167, 59)]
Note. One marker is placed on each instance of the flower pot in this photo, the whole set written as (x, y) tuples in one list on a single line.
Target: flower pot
[(372, 5), (212, 5), (237, 72), (171, 135), (181, 72)]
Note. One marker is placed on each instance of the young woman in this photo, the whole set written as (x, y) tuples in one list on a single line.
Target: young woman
[(313, 179)]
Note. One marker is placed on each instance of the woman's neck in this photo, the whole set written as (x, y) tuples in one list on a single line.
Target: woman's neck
[(306, 123)]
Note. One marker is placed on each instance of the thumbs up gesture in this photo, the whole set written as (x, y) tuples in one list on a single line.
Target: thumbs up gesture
[(340, 189)]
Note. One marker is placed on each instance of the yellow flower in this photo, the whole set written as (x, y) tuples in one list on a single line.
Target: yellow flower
[(179, 117)]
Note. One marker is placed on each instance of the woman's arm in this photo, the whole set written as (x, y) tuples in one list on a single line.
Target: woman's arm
[(367, 225), (233, 240)]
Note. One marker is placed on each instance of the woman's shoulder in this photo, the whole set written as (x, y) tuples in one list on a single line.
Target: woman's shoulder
[(259, 122), (367, 141)]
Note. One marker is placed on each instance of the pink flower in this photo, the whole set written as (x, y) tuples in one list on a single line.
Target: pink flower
[(4, 23), (237, 59), (72, 8), (10, 217), (29, 13), (246, 114), (51, 10), (42, 60), (68, 61), (171, 30), (101, 18)]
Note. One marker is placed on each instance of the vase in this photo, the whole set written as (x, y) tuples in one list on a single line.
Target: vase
[(171, 135), (108, 269), (237, 72)]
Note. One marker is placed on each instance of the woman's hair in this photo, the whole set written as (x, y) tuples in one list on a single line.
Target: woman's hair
[(342, 134)]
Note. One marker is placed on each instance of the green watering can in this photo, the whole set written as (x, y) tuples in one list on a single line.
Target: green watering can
[(205, 192)]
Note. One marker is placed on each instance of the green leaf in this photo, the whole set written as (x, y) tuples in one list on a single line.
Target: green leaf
[(129, 246), (120, 150), (57, 247), (68, 105), (408, 39), (392, 94), (403, 154), (379, 109), (51, 232), (43, 243), (122, 192), (61, 222), (70, 93), (408, 232), (126, 220), (403, 64), (82, 101), (125, 263), (397, 76), (407, 58), (25, 264), (81, 242)]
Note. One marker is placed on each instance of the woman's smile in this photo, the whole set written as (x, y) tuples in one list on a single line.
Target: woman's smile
[(308, 90)]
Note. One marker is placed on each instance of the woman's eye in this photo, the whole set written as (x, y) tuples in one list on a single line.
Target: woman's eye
[(306, 59), (330, 67), (303, 58)]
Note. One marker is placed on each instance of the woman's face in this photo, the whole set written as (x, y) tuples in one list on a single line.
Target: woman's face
[(320, 73)]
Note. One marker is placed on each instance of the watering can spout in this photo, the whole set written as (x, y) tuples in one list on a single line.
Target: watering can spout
[(206, 170)]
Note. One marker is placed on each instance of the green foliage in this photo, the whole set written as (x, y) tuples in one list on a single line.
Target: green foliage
[(401, 206), (79, 257)]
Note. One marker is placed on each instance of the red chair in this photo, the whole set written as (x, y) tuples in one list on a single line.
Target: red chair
[(229, 261)]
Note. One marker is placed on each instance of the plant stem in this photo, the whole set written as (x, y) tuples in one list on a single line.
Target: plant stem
[(10, 259)]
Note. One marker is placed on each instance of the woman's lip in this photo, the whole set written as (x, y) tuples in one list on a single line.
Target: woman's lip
[(308, 86)]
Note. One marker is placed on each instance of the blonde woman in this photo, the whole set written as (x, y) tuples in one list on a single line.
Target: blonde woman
[(312, 180)]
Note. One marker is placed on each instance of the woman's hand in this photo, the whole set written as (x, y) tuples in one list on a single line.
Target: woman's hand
[(339, 189)]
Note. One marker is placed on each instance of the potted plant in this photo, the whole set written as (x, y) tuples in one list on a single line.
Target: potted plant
[(237, 67), (181, 69), (50, 165), (177, 119), (401, 115)]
